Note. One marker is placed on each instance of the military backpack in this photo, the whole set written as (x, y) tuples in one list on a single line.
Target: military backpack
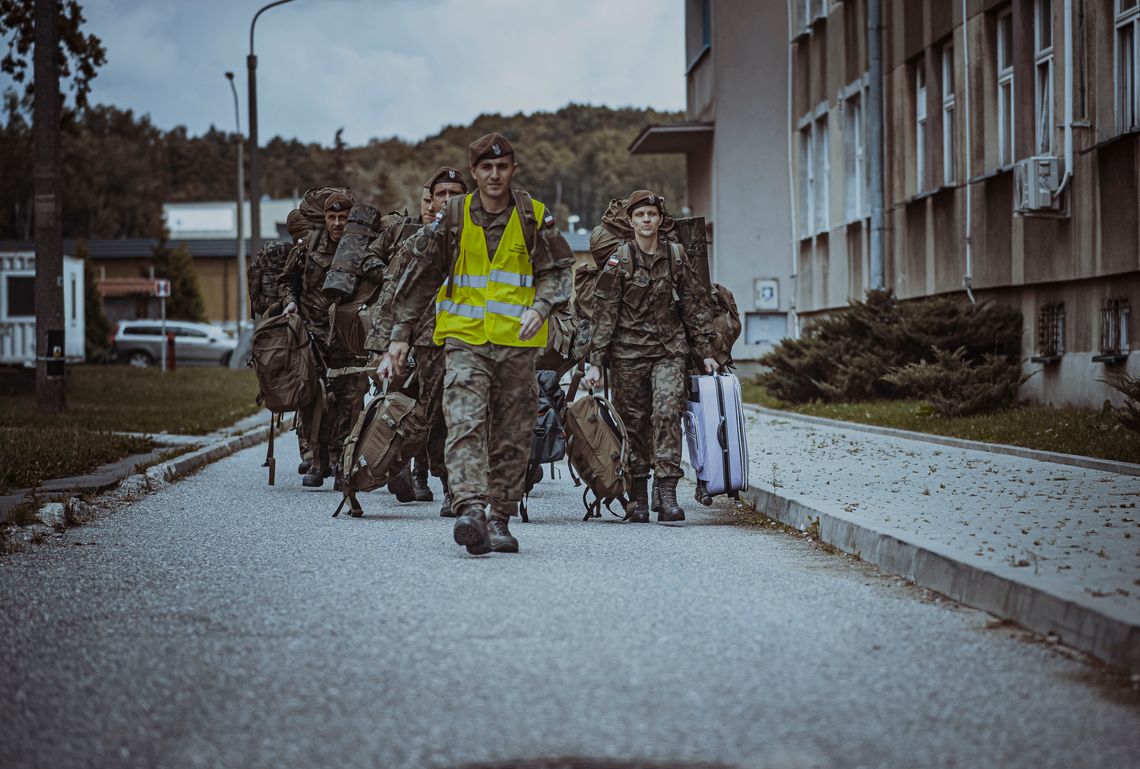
[(285, 362), (596, 451), (263, 273)]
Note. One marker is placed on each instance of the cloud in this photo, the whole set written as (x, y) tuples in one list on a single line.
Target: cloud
[(384, 68)]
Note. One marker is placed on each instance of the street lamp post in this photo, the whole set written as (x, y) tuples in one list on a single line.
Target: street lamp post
[(243, 289), (254, 166)]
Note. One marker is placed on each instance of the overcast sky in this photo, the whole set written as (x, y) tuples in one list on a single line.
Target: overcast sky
[(381, 68)]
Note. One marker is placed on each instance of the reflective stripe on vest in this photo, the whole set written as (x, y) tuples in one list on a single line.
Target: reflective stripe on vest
[(489, 293)]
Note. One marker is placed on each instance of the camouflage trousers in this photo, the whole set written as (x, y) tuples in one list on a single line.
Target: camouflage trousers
[(649, 395), (338, 413), (430, 364), (489, 400)]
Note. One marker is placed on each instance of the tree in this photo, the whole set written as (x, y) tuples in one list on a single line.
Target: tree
[(185, 302), (80, 55), (97, 329)]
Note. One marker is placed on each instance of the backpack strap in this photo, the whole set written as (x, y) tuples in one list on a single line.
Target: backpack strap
[(453, 214), (524, 204)]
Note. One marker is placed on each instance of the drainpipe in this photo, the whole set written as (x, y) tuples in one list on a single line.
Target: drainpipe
[(793, 329), (875, 137), (968, 277)]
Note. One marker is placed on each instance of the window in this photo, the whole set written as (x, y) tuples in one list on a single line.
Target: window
[(809, 11), (21, 296), (949, 103), (1043, 75), (815, 174), (855, 164), (1114, 316), (1050, 333), (1005, 88), (706, 23), (1127, 65), (920, 124)]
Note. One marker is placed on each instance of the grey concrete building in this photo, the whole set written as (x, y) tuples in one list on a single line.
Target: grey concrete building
[(1012, 160), (735, 140)]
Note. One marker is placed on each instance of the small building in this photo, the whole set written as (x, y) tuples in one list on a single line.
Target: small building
[(18, 308)]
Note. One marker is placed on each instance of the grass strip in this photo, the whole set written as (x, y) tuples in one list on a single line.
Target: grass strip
[(29, 456), (1084, 432)]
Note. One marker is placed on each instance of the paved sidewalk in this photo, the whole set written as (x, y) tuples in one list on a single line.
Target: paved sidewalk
[(1052, 546)]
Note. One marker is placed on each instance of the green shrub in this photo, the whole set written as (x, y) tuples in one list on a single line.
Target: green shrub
[(845, 356), (1129, 413), (955, 386)]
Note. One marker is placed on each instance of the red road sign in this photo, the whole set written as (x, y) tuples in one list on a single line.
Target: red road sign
[(162, 288)]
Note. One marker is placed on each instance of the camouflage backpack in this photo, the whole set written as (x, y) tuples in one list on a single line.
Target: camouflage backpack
[(312, 206), (285, 363), (263, 273), (596, 450)]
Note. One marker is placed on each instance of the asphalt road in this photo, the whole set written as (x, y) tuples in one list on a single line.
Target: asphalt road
[(221, 623)]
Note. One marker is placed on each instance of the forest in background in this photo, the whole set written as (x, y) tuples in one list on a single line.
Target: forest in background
[(119, 168)]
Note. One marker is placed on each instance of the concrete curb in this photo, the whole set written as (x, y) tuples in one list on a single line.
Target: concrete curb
[(1071, 618), (181, 466), (1089, 463)]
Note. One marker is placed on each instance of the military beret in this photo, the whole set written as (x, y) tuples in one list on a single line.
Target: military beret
[(645, 198), (493, 145), (338, 202), (445, 174)]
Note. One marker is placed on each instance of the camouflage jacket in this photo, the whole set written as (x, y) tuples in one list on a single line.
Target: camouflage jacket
[(393, 244), (434, 248), (649, 306)]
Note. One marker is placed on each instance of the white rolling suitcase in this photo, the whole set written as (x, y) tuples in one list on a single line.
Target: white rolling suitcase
[(716, 435)]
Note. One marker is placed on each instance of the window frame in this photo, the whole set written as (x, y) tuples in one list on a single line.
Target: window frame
[(949, 113), (1043, 79), (856, 182), (920, 123), (1006, 94), (1126, 76), (1050, 333), (1115, 315)]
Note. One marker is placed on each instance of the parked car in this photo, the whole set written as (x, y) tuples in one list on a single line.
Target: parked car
[(140, 343)]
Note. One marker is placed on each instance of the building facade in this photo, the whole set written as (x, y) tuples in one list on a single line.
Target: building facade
[(1011, 133), (734, 138)]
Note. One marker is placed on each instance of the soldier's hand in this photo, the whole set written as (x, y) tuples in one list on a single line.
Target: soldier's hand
[(711, 366), (593, 377), (384, 369), (529, 324), (398, 353), (290, 308), (375, 360)]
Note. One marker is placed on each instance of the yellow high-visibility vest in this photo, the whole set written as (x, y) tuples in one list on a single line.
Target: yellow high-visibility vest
[(489, 295)]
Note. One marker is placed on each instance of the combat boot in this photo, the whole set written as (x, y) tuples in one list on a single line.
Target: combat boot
[(655, 506), (315, 478), (445, 510), (670, 511), (304, 467), (471, 529), (639, 506), (502, 541), (420, 482), (402, 486)]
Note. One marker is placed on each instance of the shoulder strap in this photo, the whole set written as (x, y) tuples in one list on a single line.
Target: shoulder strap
[(525, 205), (453, 213)]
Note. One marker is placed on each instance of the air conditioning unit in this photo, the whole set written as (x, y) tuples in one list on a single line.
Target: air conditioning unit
[(1035, 182)]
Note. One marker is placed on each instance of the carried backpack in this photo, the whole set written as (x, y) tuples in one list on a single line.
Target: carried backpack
[(548, 442), (391, 426), (596, 449), (263, 273), (312, 206), (285, 362), (615, 229)]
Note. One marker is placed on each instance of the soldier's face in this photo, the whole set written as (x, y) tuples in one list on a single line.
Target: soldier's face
[(335, 222), (442, 192), (493, 175), (425, 207), (645, 220)]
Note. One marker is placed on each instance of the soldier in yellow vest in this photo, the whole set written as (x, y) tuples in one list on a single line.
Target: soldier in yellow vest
[(495, 264)]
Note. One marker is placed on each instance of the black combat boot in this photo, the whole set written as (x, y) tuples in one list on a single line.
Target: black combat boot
[(420, 484), (402, 486), (655, 505), (304, 467), (445, 510), (315, 477), (639, 506), (471, 529), (670, 511), (502, 541)]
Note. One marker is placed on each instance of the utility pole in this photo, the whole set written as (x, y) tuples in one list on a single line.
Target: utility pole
[(50, 348), (254, 160), (243, 289), (875, 138)]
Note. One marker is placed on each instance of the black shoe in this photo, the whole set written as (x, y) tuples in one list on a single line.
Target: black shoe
[(656, 506), (471, 530), (445, 510), (401, 485), (670, 511), (315, 478), (421, 490), (502, 541), (638, 509), (304, 467)]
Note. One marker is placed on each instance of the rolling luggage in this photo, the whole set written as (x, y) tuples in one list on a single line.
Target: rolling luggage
[(716, 435)]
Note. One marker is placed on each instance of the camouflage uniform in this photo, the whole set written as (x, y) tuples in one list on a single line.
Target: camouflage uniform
[(301, 282), (490, 393), (649, 309)]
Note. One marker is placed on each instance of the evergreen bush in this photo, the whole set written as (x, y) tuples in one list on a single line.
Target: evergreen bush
[(1129, 413), (96, 327), (956, 386)]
